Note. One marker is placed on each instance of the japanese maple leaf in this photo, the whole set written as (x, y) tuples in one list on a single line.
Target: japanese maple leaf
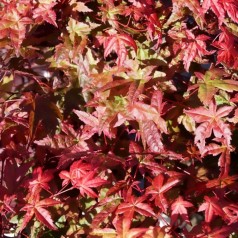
[(122, 225), (194, 7), (224, 159), (151, 136), (40, 180), (211, 207), (117, 43), (79, 6), (144, 112), (231, 212), (122, 229), (206, 231), (158, 189), (87, 182), (194, 47), (210, 83), (228, 51), (231, 7), (6, 203), (211, 121), (44, 12), (179, 207), (134, 204), (77, 170), (37, 207), (13, 25), (216, 7), (222, 182), (154, 29), (98, 123)]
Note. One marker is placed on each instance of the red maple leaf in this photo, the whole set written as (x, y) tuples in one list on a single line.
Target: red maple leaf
[(211, 208), (37, 207), (87, 182), (77, 170), (117, 43), (179, 207), (13, 25), (194, 47), (151, 136), (231, 7), (44, 12), (193, 5), (224, 151), (216, 7), (135, 204), (122, 229), (211, 121), (146, 113), (228, 51), (159, 188), (40, 180), (231, 212), (122, 225)]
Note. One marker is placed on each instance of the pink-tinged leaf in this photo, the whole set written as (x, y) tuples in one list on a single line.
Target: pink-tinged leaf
[(65, 175), (122, 226), (169, 184), (211, 207), (223, 232), (222, 182), (40, 180), (216, 7), (136, 232), (194, 47), (211, 120), (152, 166), (117, 187), (79, 169), (118, 43), (103, 232), (104, 214), (156, 101), (87, 118), (224, 111), (189, 55), (179, 207), (81, 7), (231, 212), (224, 162), (44, 12), (151, 135), (27, 217), (134, 204), (228, 51), (47, 202), (194, 7), (213, 149), (13, 25), (113, 84), (144, 112), (231, 7), (158, 188), (35, 207), (88, 181), (134, 148), (44, 217)]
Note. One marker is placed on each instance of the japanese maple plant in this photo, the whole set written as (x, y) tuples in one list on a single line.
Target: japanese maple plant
[(118, 118)]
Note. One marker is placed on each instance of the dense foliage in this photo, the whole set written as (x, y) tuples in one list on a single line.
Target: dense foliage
[(118, 119)]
